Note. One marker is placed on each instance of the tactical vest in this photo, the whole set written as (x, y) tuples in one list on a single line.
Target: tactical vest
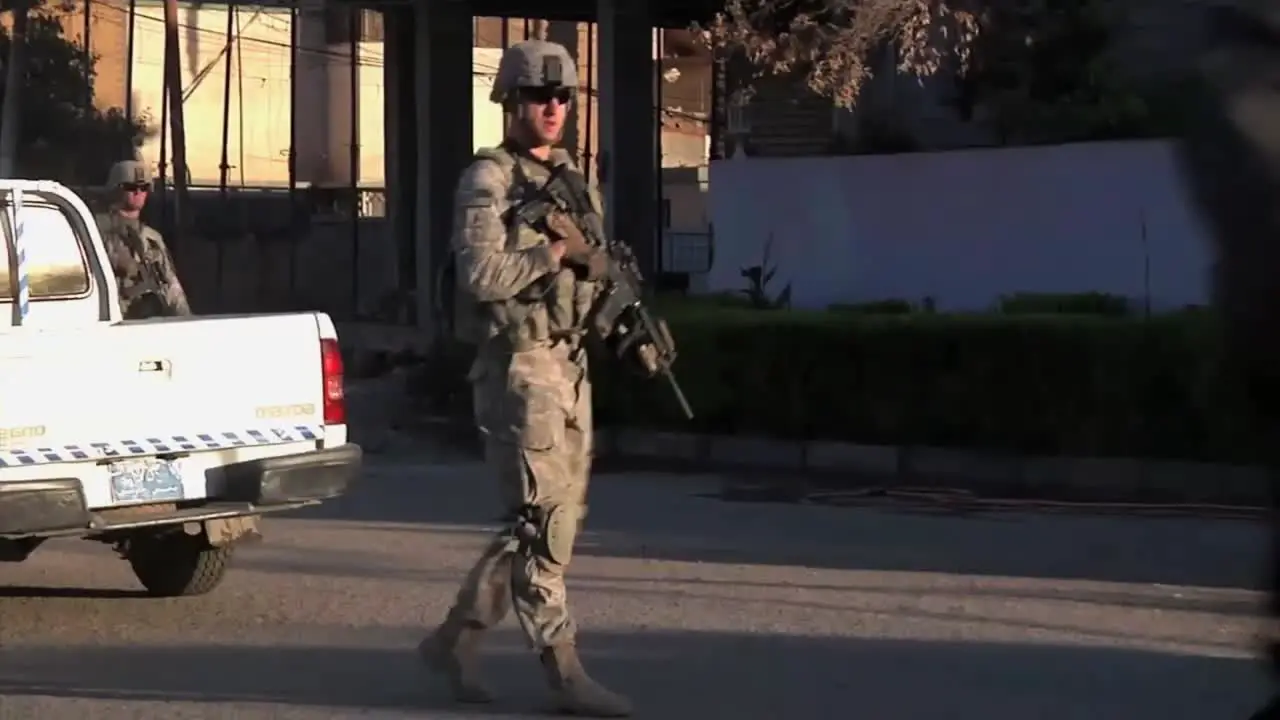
[(555, 306), (130, 248)]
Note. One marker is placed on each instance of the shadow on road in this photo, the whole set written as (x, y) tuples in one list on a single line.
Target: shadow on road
[(663, 517), (1069, 609), (809, 594), (678, 675), (72, 593)]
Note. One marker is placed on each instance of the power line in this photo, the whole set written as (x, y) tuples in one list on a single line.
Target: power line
[(376, 61), (226, 50), (486, 71)]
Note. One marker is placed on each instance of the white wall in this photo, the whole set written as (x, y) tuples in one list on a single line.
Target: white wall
[(258, 133), (963, 226), (486, 119)]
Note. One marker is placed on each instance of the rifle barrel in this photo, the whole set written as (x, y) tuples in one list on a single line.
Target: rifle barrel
[(680, 398)]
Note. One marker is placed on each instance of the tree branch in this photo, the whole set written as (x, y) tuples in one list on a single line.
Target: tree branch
[(829, 43)]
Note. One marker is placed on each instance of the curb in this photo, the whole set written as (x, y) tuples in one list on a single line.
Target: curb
[(1084, 479), (838, 465)]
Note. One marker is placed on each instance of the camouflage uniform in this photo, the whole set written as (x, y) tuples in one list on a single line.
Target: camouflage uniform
[(525, 312), (144, 270), (1232, 158)]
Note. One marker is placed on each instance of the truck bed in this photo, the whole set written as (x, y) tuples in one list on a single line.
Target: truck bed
[(201, 393)]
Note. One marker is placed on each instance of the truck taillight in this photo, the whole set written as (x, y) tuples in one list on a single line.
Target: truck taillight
[(335, 401)]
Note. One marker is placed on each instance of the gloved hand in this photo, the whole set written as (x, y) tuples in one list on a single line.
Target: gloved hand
[(565, 231), (647, 354), (591, 262)]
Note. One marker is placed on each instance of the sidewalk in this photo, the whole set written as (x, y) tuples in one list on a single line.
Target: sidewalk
[(382, 422)]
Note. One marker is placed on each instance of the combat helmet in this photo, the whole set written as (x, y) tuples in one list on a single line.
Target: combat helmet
[(533, 63), (127, 172)]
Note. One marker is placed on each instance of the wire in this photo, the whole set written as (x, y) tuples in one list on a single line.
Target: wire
[(378, 60), (375, 59), (226, 49)]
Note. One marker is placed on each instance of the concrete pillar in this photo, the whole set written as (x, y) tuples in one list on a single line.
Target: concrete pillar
[(400, 143), (342, 126), (628, 162), (312, 93), (442, 90), (325, 95)]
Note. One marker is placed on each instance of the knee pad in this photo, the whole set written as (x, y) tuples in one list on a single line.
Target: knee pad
[(560, 531), (550, 531)]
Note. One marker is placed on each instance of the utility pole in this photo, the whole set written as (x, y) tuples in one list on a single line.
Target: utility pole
[(177, 128), (16, 74)]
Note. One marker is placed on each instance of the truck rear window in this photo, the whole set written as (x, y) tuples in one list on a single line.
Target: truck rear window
[(55, 259)]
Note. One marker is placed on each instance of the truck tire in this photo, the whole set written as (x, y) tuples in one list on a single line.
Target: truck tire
[(176, 564)]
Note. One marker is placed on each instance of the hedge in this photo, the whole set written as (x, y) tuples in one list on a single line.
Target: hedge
[(1038, 384), (1064, 303), (1042, 384)]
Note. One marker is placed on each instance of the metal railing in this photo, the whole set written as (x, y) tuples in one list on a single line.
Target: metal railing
[(687, 252)]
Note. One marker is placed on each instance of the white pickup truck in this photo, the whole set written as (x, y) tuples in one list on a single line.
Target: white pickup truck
[(167, 437)]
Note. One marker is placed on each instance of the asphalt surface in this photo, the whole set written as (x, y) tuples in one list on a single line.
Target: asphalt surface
[(696, 607)]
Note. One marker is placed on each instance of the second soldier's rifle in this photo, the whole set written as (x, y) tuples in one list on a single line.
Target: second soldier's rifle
[(148, 298), (618, 317)]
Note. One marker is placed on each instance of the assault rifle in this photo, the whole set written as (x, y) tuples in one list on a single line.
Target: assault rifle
[(148, 297), (618, 317), (148, 304)]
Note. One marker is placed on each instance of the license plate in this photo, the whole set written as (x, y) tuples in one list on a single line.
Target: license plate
[(145, 481)]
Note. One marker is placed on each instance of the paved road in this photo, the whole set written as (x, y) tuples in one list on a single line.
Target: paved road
[(698, 607)]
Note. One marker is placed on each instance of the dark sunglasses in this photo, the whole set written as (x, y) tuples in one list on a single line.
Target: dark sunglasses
[(135, 187), (544, 95)]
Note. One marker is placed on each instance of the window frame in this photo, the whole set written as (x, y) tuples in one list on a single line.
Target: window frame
[(11, 252)]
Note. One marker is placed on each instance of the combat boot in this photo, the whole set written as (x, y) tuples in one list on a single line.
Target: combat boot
[(452, 652), (575, 692)]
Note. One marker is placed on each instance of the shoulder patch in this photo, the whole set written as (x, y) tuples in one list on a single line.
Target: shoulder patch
[(483, 183), (478, 197)]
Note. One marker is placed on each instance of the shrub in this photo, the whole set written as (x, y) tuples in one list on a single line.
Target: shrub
[(1092, 303), (61, 135), (875, 307), (1035, 384)]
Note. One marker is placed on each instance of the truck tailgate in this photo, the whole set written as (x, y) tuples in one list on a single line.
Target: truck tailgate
[(211, 388)]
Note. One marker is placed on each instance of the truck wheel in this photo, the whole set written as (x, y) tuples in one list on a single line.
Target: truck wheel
[(176, 564)]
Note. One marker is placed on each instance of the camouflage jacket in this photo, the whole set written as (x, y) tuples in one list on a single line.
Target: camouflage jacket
[(508, 283), (1232, 157), (519, 306), (1231, 153), (142, 265)]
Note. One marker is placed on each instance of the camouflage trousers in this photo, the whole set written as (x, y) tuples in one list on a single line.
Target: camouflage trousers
[(534, 409), (1271, 627), (1231, 159)]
